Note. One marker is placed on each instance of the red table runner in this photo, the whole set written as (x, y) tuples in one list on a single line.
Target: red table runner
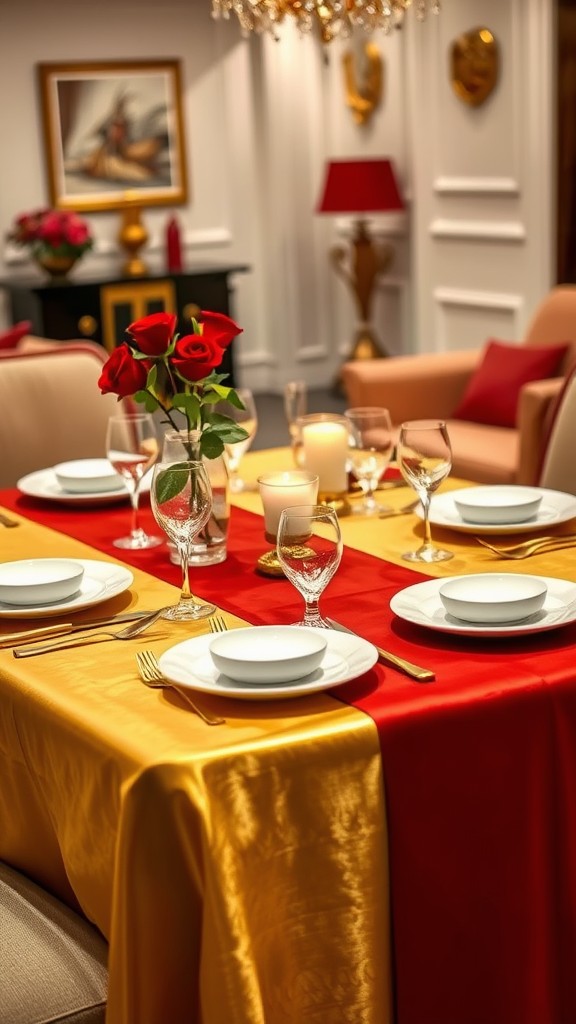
[(480, 776)]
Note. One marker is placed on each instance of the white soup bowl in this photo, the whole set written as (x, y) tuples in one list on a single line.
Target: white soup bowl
[(268, 654), (36, 581), (498, 504), (88, 476), (493, 597)]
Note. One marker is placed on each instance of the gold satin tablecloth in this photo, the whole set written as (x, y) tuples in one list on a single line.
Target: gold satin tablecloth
[(239, 872)]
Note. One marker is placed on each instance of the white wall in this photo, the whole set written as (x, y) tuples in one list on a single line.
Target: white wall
[(474, 250)]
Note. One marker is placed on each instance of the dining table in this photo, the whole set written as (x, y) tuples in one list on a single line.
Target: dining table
[(386, 851)]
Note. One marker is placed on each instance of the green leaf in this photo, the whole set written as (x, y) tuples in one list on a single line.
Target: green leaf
[(189, 404), (149, 402), (211, 445), (170, 482), (152, 378), (227, 430)]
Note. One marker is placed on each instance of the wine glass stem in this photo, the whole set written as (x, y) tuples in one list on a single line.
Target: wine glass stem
[(185, 593), (425, 502), (312, 613), (136, 531)]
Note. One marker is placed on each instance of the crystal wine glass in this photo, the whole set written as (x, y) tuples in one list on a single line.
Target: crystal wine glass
[(181, 500), (425, 459), (369, 453), (247, 418), (309, 547), (295, 400), (132, 448)]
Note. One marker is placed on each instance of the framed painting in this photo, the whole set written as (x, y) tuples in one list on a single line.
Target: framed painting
[(113, 134)]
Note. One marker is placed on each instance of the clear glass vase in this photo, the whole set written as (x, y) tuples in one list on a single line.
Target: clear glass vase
[(209, 546)]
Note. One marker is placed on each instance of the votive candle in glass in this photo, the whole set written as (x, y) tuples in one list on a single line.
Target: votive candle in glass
[(325, 439), (281, 490)]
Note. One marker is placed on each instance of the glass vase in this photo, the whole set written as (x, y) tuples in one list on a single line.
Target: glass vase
[(209, 546)]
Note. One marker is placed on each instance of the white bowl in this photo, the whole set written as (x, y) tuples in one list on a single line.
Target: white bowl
[(35, 581), (88, 476), (268, 654), (493, 597), (498, 504)]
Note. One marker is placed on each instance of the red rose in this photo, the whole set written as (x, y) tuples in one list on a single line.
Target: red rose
[(153, 334), (220, 328), (51, 230), (123, 375), (196, 355)]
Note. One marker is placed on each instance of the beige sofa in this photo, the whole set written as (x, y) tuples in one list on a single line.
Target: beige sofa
[(433, 384)]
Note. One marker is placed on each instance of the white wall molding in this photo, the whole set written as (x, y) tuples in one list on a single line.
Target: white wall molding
[(478, 230), (445, 185), (478, 300)]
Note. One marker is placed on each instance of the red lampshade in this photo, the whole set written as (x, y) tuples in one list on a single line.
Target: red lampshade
[(360, 186)]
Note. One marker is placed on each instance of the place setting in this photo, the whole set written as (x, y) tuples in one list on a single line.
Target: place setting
[(35, 588)]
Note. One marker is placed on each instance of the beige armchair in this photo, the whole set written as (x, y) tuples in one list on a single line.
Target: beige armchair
[(51, 408), (433, 384)]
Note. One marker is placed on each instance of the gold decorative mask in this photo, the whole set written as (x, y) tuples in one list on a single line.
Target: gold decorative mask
[(474, 65)]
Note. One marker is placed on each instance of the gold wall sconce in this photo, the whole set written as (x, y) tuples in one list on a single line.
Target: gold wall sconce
[(363, 81), (474, 66)]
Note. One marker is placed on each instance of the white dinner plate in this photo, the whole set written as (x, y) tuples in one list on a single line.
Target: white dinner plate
[(43, 484), (556, 507), (421, 605), (189, 664), (101, 581)]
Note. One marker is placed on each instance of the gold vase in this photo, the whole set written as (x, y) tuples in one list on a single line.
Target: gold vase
[(56, 266), (132, 236)]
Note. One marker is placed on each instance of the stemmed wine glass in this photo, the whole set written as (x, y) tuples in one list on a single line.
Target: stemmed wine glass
[(425, 459), (369, 452), (309, 547), (132, 448), (247, 418), (181, 500), (295, 401)]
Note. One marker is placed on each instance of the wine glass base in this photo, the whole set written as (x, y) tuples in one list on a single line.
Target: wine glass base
[(189, 612), (316, 624), (428, 555), (371, 510), (138, 543)]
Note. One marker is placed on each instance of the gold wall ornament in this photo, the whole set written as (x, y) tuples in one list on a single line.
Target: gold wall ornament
[(363, 81), (474, 65)]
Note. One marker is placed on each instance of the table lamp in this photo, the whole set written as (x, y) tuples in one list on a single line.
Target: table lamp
[(359, 187)]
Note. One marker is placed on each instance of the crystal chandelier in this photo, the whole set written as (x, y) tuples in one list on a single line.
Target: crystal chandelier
[(330, 18)]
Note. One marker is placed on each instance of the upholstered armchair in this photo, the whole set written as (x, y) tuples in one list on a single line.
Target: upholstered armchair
[(497, 400), (51, 407)]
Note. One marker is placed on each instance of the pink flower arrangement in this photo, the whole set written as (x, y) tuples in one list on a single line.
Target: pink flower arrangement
[(52, 232)]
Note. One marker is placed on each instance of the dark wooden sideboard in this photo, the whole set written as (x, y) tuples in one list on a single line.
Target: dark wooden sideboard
[(102, 308)]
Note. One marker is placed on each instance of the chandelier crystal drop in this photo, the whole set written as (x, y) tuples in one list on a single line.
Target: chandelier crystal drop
[(330, 18)]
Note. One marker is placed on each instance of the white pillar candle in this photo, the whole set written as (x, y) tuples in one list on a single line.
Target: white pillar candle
[(325, 445), (281, 490)]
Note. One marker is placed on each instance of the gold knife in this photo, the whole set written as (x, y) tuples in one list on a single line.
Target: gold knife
[(423, 675), (62, 628)]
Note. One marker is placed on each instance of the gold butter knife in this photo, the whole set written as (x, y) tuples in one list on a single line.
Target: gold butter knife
[(62, 628), (423, 675)]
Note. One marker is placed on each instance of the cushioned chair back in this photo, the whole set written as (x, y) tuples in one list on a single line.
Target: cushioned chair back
[(554, 321), (52, 962), (51, 410), (559, 465)]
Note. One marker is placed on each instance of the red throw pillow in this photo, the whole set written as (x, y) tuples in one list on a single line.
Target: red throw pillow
[(493, 391), (11, 337)]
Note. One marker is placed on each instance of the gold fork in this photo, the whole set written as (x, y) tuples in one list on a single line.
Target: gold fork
[(151, 675), (531, 547), (217, 624)]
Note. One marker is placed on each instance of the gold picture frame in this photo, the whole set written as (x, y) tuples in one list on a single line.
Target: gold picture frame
[(113, 133)]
